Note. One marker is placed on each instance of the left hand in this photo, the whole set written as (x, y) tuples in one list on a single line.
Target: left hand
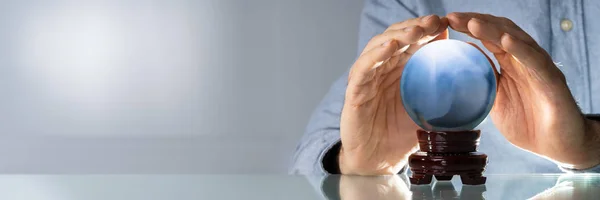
[(534, 108)]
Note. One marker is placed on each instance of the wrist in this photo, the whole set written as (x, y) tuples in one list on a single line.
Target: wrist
[(330, 161), (340, 159), (592, 145), (349, 165)]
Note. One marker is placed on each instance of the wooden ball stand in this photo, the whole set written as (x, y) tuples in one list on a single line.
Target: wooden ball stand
[(445, 154)]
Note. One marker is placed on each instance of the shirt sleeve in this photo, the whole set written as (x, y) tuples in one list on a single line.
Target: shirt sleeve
[(595, 169), (323, 131)]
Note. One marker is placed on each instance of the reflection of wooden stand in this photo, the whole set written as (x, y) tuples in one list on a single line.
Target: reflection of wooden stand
[(445, 154), (446, 190)]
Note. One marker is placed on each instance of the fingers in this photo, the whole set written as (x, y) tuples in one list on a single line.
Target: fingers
[(432, 29), (462, 22), (429, 23), (498, 40), (442, 29), (501, 35), (484, 30), (464, 17), (394, 71), (495, 49), (430, 26), (392, 63), (405, 37), (523, 52), (413, 48), (394, 74), (441, 34), (363, 70)]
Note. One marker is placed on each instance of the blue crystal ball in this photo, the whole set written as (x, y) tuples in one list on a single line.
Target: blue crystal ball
[(448, 85)]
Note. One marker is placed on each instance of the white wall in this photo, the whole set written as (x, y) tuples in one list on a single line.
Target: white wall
[(172, 86)]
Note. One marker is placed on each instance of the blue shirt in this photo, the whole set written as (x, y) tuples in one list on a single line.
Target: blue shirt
[(575, 49)]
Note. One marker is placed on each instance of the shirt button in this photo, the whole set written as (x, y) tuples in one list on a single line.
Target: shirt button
[(566, 25)]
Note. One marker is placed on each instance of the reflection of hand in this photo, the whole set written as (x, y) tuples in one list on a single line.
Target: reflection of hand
[(376, 133), (573, 187), (373, 187), (534, 108)]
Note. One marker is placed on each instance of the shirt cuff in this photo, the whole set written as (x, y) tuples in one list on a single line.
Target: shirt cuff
[(595, 169), (330, 159)]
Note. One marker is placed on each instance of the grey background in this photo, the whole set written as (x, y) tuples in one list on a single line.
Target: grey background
[(172, 86)]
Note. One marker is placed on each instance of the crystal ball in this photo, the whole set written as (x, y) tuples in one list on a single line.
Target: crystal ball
[(448, 85)]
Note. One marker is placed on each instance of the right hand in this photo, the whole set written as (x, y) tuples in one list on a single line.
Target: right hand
[(377, 135)]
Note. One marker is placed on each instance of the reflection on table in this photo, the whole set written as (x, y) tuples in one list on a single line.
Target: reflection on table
[(265, 187), (566, 186)]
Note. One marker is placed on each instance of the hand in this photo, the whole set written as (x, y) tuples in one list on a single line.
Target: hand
[(534, 108), (377, 135)]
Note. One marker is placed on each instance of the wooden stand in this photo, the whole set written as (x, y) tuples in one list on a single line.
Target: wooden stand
[(445, 154)]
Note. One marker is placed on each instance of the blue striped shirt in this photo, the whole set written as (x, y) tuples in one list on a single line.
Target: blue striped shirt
[(575, 49)]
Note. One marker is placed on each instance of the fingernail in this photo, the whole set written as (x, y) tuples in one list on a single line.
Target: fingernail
[(424, 19), (506, 36), (407, 29), (457, 14)]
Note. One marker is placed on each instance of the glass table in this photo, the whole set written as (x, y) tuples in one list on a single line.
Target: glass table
[(149, 187)]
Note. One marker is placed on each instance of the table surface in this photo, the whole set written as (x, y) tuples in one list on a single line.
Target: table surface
[(148, 187)]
